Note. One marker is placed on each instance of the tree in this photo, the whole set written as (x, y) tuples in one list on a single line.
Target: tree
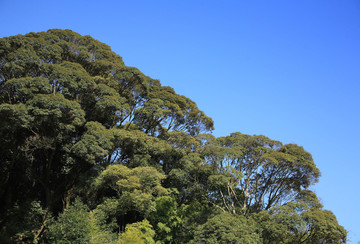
[(69, 107), (301, 221), (256, 173), (72, 226), (24, 220), (138, 233), (167, 220), (226, 228), (130, 192), (77, 123)]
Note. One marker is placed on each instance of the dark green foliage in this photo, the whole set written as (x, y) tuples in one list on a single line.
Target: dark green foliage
[(77, 123), (24, 220)]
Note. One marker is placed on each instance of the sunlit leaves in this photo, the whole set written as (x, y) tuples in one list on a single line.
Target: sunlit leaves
[(22, 62), (301, 221), (75, 121), (72, 226), (94, 144), (135, 188), (54, 114), (225, 228), (268, 172), (138, 233), (167, 220), (22, 90)]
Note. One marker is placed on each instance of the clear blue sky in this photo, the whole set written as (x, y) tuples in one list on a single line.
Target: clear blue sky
[(285, 69)]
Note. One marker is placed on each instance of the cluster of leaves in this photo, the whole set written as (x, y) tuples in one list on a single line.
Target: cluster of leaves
[(93, 151)]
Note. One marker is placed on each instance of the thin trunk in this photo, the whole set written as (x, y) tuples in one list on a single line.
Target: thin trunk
[(222, 196), (231, 200), (67, 198), (246, 193), (43, 225)]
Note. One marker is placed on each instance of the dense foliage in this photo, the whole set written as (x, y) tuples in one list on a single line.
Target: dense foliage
[(93, 151)]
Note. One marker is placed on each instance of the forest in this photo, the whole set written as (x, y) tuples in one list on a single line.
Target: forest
[(94, 151)]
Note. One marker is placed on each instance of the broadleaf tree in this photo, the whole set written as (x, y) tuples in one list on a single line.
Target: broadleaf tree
[(92, 151)]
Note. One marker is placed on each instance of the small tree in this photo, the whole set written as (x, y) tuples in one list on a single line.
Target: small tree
[(227, 228), (72, 226), (138, 233)]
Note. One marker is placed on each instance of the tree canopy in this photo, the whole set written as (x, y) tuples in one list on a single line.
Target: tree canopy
[(94, 151)]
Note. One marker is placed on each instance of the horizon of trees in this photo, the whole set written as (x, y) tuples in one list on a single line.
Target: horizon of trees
[(94, 151)]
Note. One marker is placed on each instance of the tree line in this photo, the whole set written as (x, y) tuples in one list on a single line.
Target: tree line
[(94, 151)]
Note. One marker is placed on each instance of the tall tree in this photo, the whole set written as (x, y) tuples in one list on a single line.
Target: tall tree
[(256, 172), (77, 123), (70, 106)]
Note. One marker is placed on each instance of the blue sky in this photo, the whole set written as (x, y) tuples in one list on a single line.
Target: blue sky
[(285, 69)]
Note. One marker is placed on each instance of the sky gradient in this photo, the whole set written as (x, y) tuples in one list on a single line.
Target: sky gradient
[(286, 69)]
